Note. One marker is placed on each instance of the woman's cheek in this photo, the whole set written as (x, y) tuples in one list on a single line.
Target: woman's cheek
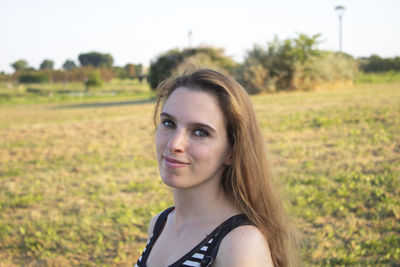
[(200, 152), (161, 136)]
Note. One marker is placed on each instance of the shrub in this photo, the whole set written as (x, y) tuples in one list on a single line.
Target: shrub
[(34, 78), (80, 74), (255, 77), (94, 79), (326, 68), (174, 59), (293, 64)]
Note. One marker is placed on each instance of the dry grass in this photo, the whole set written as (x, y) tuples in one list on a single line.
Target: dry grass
[(78, 184)]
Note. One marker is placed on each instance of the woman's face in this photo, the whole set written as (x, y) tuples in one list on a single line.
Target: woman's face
[(191, 140)]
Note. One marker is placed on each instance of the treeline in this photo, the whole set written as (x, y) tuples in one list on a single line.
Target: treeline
[(375, 63), (90, 63), (289, 64)]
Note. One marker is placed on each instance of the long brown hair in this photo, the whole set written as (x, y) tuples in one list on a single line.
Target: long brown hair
[(248, 180)]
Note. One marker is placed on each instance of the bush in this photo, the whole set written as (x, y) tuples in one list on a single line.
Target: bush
[(327, 68), (5, 77), (293, 64), (79, 74), (130, 71), (34, 78), (174, 59), (94, 79), (255, 77)]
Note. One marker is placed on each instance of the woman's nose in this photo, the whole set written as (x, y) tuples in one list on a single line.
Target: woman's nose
[(177, 141)]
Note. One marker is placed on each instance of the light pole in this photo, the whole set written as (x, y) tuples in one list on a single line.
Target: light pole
[(340, 11), (190, 38)]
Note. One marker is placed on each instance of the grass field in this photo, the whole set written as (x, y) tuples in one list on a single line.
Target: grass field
[(12, 94), (380, 77), (79, 182)]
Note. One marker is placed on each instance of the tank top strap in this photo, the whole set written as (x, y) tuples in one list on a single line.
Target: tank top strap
[(160, 223), (223, 230), (158, 227)]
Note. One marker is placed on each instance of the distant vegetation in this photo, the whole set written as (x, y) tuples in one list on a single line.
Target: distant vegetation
[(47, 64), (375, 63), (96, 59), (293, 64), (281, 65), (34, 77), (174, 59), (70, 72), (94, 80)]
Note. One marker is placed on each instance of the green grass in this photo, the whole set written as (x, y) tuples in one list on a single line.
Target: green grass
[(377, 77), (79, 182)]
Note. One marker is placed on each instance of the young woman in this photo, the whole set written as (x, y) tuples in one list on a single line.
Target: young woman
[(210, 151)]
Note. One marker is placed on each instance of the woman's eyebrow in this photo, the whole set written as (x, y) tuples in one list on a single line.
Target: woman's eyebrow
[(165, 114), (192, 124), (202, 125)]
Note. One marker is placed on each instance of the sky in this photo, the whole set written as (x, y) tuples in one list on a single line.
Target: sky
[(136, 32)]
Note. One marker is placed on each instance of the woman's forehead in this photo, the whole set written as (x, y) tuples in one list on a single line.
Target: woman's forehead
[(194, 104)]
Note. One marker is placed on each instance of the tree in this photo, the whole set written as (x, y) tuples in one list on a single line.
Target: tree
[(20, 65), (306, 47), (163, 66), (69, 65), (130, 70), (94, 79), (96, 59), (47, 64), (375, 63), (170, 61)]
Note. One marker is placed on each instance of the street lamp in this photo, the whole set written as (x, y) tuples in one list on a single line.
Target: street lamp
[(190, 38), (340, 11)]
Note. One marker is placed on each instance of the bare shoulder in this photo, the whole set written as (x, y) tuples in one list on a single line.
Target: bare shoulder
[(244, 246)]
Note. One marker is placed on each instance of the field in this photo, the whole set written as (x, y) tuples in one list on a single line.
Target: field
[(79, 181)]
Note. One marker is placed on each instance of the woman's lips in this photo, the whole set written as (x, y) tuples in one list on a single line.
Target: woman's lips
[(173, 163)]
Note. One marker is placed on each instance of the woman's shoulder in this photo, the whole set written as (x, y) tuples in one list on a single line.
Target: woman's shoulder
[(244, 246), (154, 221), (152, 224)]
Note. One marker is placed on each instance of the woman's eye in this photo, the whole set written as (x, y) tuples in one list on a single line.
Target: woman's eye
[(201, 133), (168, 123)]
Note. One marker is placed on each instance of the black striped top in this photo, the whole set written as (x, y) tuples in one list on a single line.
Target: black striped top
[(204, 253)]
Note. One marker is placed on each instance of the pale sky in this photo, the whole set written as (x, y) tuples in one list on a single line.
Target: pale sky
[(135, 31)]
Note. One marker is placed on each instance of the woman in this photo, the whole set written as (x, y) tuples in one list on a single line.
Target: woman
[(210, 151)]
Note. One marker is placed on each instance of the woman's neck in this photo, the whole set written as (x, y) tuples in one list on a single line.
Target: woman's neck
[(203, 204)]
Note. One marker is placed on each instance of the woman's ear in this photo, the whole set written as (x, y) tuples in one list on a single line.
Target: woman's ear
[(228, 160)]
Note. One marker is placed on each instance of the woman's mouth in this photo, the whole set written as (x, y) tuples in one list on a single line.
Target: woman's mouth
[(174, 163)]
